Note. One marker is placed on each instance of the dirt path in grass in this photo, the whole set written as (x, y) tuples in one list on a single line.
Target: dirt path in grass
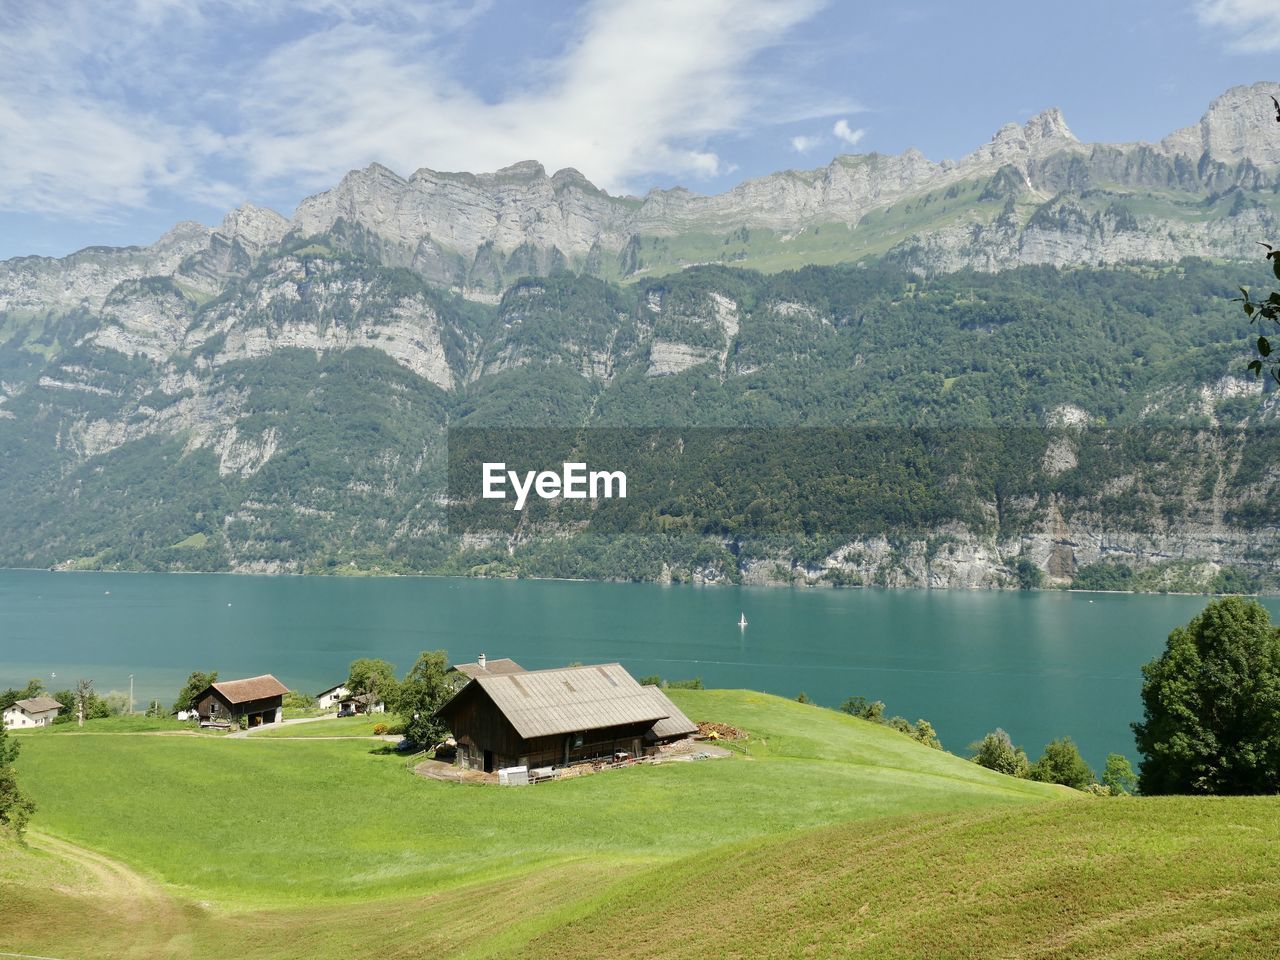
[(158, 925)]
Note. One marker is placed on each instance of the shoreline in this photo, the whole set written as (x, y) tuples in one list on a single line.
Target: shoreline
[(706, 585)]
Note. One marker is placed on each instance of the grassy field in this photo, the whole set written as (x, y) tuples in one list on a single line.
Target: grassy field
[(320, 848), (1116, 878), (296, 820), (330, 726), (114, 725)]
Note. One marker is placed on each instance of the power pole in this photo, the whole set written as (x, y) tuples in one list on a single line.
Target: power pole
[(131, 694)]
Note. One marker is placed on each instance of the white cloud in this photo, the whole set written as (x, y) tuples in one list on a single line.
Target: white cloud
[(75, 160), (74, 145), (803, 144), (1254, 25), (843, 131), (106, 105), (638, 90)]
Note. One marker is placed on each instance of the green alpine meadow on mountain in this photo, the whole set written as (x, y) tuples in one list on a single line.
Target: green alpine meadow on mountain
[(275, 394)]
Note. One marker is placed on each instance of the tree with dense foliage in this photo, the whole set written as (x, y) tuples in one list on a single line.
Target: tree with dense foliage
[(1028, 575), (15, 808), (95, 707), (297, 700), (373, 678), (424, 690), (1118, 775), (693, 684), (865, 709), (1061, 763), (996, 752), (197, 683), (1211, 705), (922, 731)]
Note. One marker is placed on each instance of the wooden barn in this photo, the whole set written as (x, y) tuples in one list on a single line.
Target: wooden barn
[(553, 718), (253, 701)]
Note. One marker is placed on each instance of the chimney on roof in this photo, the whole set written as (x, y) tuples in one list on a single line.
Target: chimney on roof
[(480, 661)]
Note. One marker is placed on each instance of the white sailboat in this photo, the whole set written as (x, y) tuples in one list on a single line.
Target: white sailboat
[(742, 619)]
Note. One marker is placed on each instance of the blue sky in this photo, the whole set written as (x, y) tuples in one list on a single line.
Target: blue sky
[(119, 118)]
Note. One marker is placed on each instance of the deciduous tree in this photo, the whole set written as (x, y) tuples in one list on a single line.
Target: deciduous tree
[(1118, 775), (1061, 763), (372, 678), (425, 689), (196, 684), (996, 752), (1211, 705), (15, 808)]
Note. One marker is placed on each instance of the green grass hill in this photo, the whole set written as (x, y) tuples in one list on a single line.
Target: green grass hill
[(822, 835)]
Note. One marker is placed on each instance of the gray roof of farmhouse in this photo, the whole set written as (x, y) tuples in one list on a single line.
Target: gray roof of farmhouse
[(543, 703), (491, 668), (675, 724), (38, 704)]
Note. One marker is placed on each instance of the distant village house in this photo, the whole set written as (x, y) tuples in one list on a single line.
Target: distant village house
[(552, 718), (355, 704), (330, 699), (251, 702), (33, 712)]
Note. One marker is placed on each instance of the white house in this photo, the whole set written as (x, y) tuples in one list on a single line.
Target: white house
[(331, 698), (349, 706), (35, 712)]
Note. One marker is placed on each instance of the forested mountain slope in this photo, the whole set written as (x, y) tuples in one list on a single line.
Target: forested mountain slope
[(275, 394)]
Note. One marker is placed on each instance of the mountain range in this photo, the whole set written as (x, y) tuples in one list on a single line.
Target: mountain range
[(273, 393)]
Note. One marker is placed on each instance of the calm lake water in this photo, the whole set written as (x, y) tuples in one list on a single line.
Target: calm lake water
[(1038, 664)]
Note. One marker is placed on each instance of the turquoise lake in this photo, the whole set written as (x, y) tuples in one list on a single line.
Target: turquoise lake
[(1038, 664)]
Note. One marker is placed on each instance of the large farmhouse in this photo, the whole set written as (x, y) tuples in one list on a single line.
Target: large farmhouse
[(33, 712), (543, 718), (254, 701)]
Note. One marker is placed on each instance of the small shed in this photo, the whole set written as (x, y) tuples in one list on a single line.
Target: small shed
[(252, 701), (32, 712)]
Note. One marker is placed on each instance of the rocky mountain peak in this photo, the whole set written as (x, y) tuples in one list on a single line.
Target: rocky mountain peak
[(525, 169), (1046, 130), (183, 233), (253, 224), (571, 177), (1018, 143), (1048, 125), (1239, 125)]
